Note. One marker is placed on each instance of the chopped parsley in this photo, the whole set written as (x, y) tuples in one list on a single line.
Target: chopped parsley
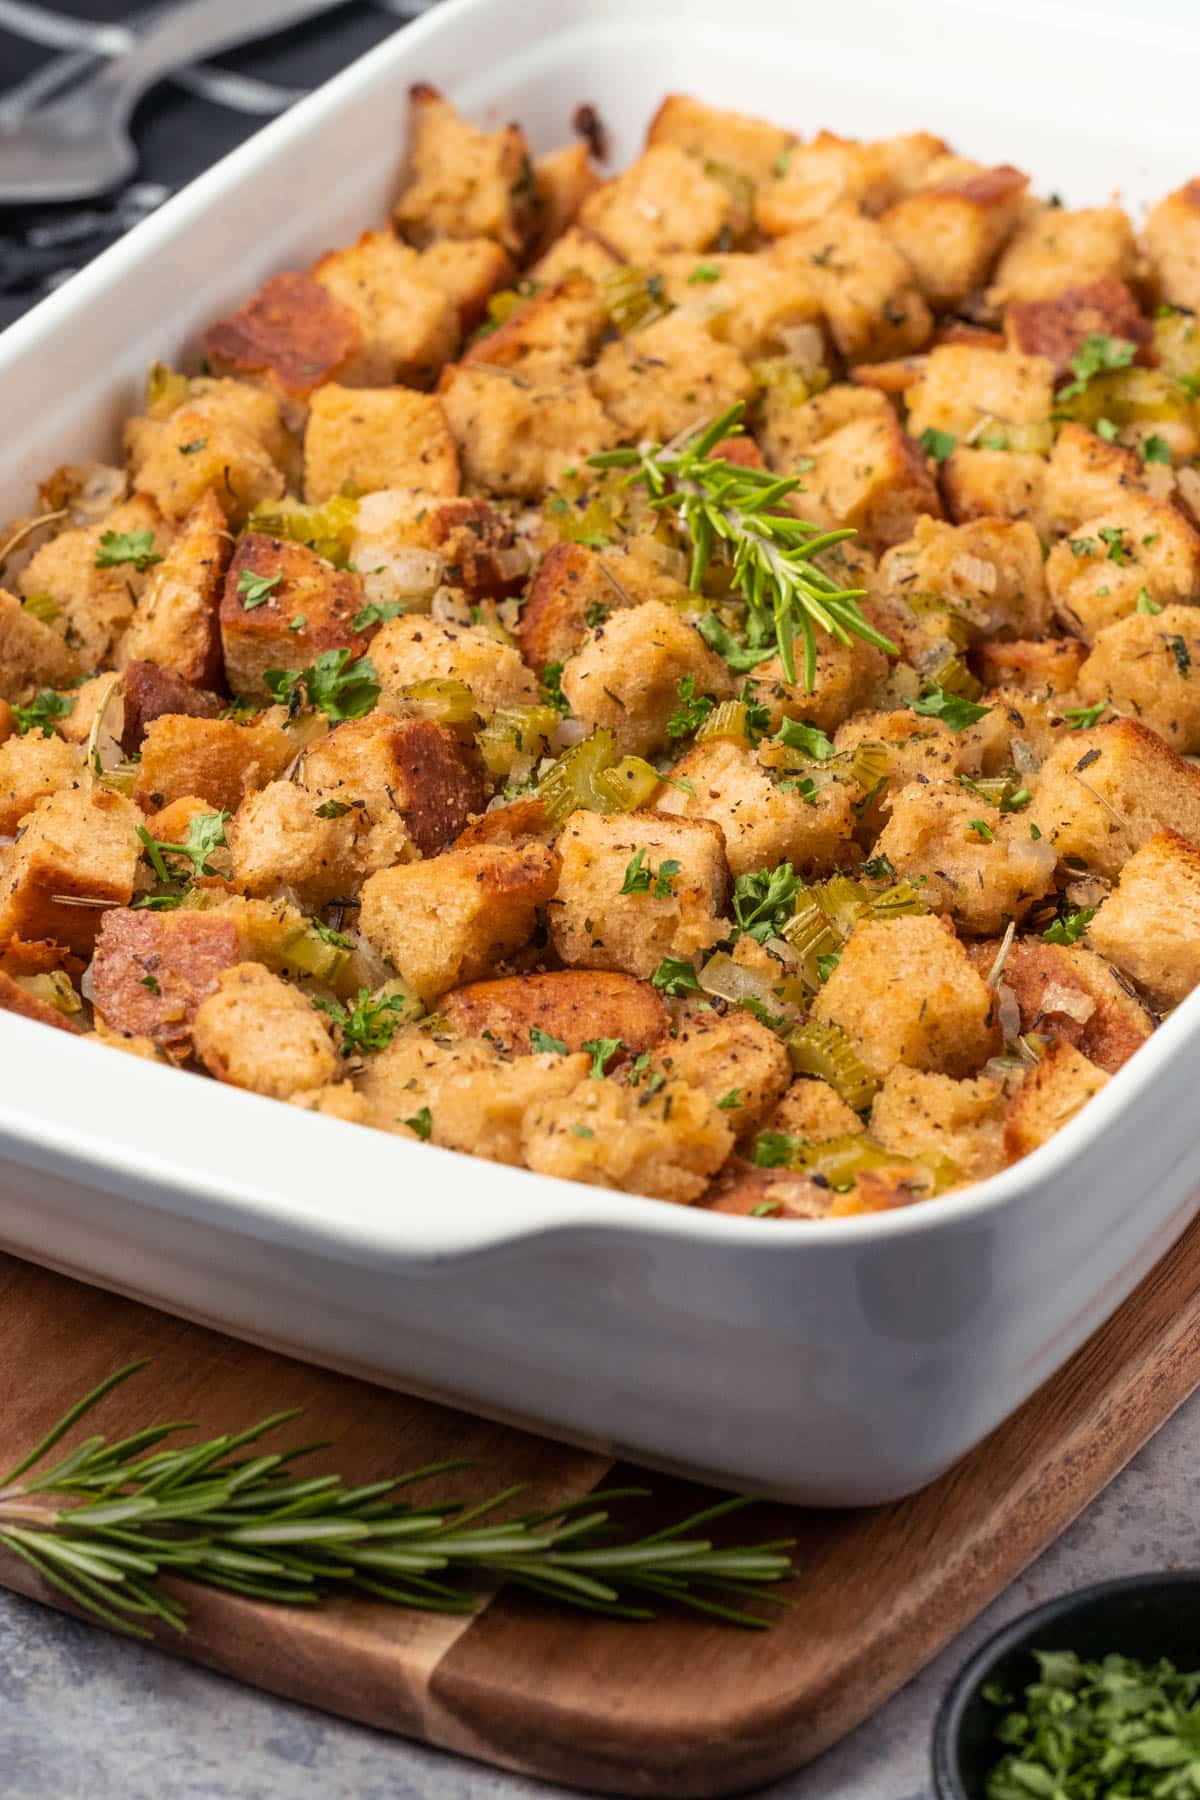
[(205, 833), (692, 711), (1145, 604), (254, 589), (582, 1131), (981, 829), (879, 868), (937, 444), (1106, 430), (332, 809), (368, 1025), (729, 1101), (1082, 718), (340, 688), (192, 448), (422, 1123), (601, 1051), (810, 741), (1097, 355), (764, 900), (937, 703), (775, 1149), (1181, 653), (704, 272), (640, 878), (119, 547), (151, 982), (41, 712), (827, 963), (1155, 449), (676, 977), (1070, 927), (552, 682), (541, 1043), (378, 612), (1114, 537)]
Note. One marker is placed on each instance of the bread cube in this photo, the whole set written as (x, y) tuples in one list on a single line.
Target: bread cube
[(360, 439), (996, 484), (1149, 926), (906, 992), (257, 1031), (468, 271), (934, 1118), (870, 476), (175, 462), (571, 1005), (990, 570), (417, 648), (95, 599), (305, 607), (668, 376), (463, 182), (865, 287), (963, 386), (594, 925), (292, 335), (814, 1111), (665, 1144), (741, 1065), (1066, 991), (662, 202), (1149, 666), (752, 147), (32, 654), (982, 877), (152, 969), (453, 918), (1060, 1086), (950, 234), (409, 324), (466, 545), (1172, 243), (78, 844), (408, 770), (475, 1100), (764, 822), (919, 749), (1086, 475), (577, 252), (846, 678), (175, 623), (564, 178), (811, 181), (746, 301), (30, 768), (281, 841), (626, 674), (340, 1101), (1054, 248), (147, 692), (1057, 327), (216, 758), (557, 329), (1105, 792), (1043, 666), (516, 435), (1137, 546)]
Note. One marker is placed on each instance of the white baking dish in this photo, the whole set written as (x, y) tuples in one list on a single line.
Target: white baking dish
[(832, 1363)]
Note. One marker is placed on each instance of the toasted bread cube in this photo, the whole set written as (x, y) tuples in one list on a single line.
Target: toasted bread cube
[(1057, 327), (516, 435), (605, 1133), (735, 140), (1066, 991), (982, 878), (1149, 666), (626, 674), (991, 571), (662, 202), (152, 969), (1106, 791), (175, 623), (555, 330), (846, 678), (1060, 1086), (745, 301), (524, 821), (292, 335), (572, 1006), (1172, 242), (409, 324), (996, 484), (95, 602), (306, 607), (1043, 666), (932, 1117), (418, 648), (217, 758), (741, 1065), (1138, 546), (280, 841), (360, 439), (408, 770), (147, 692), (30, 768), (463, 182), (453, 918), (951, 234), (32, 654), (788, 433), (764, 822), (77, 844), (671, 374), (906, 992), (814, 1111), (468, 545), (257, 1031), (811, 181), (176, 461), (594, 925), (468, 271), (577, 586), (1085, 476), (340, 1101), (1053, 249), (963, 385), (866, 289), (1149, 926), (577, 252), (1018, 730), (919, 749), (870, 476), (564, 177)]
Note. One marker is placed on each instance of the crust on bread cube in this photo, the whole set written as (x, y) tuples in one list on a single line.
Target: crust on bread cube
[(1104, 792), (283, 605), (764, 822), (292, 336), (1054, 248), (990, 570), (951, 234), (905, 991), (152, 969), (94, 595), (175, 622), (257, 1031), (1061, 1085), (996, 484), (569, 1005), (671, 374), (1171, 238), (1039, 666), (787, 432), (577, 252), (739, 1063), (453, 918), (1067, 991), (627, 672), (147, 692), (1148, 665), (516, 435), (419, 648), (30, 768), (964, 385), (814, 1111), (982, 871), (463, 182), (468, 271), (557, 329), (411, 770), (474, 1099), (870, 476), (32, 654), (811, 181), (78, 844), (594, 925), (409, 324), (1149, 926), (865, 287), (576, 585), (1057, 327), (1099, 573), (217, 758), (662, 202), (930, 1116), (735, 140), (746, 301), (666, 1145), (360, 439)]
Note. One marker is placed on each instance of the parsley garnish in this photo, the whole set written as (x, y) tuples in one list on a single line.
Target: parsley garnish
[(1107, 430), (1082, 718), (1179, 649), (728, 1101), (552, 682), (1071, 927), (640, 878), (542, 1044), (676, 977), (328, 935), (340, 688), (117, 547), (42, 712), (827, 963), (601, 1051), (1114, 537), (704, 272), (638, 1068), (952, 709), (195, 445), (332, 809), (378, 612), (1145, 604), (692, 711), (775, 1149), (981, 829), (368, 1025), (764, 900), (255, 590), (806, 738), (1097, 354), (937, 444), (205, 833), (151, 982), (879, 868), (421, 1122), (1155, 449)]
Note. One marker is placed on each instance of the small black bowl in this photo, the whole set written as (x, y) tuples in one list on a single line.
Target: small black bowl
[(1145, 1616)]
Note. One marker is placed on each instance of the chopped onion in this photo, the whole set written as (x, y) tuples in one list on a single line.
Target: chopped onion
[(805, 345), (1025, 758), (1071, 1002), (976, 571), (1009, 1011)]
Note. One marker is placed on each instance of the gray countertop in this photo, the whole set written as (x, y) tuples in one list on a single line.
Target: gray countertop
[(85, 1717)]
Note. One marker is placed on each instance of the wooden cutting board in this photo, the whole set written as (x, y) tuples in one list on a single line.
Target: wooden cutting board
[(679, 1707)]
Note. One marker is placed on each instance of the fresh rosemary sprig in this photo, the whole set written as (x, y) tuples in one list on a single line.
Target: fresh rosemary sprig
[(731, 510), (108, 1520)]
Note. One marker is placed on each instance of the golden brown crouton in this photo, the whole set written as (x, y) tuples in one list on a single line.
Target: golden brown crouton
[(741, 1065), (906, 992), (665, 1144), (677, 914), (996, 484), (175, 622), (557, 328), (292, 335), (670, 375), (1043, 666), (360, 439), (564, 177), (217, 758), (1137, 546), (864, 285), (463, 182), (524, 821), (407, 544), (285, 838), (152, 969), (94, 575), (577, 252), (1106, 791), (198, 450), (1149, 665), (1053, 249), (846, 678), (963, 387), (516, 434), (282, 606), (814, 1111), (868, 475), (1057, 327), (764, 822), (662, 202), (578, 585), (468, 271), (752, 147), (32, 654), (744, 300), (451, 919), (1172, 241), (1066, 991), (78, 845), (146, 693), (931, 1117), (1086, 475), (570, 1005), (412, 769), (808, 182), (991, 571), (1149, 926), (21, 1000), (982, 870), (409, 324), (626, 674), (418, 648), (30, 768), (1063, 1083), (950, 234), (257, 1031)]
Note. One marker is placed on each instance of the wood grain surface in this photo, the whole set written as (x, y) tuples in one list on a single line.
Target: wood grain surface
[(679, 1707)]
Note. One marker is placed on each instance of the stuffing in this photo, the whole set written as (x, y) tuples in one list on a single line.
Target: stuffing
[(564, 178), (868, 475), (932, 1117), (517, 435), (283, 838), (152, 969), (1067, 991), (217, 758), (666, 1143), (94, 575), (257, 1031), (1060, 1086), (1149, 926), (578, 586), (668, 376), (764, 821), (965, 389), (407, 544), (1106, 791), (408, 772), (990, 571), (1036, 667), (1054, 248), (1148, 665), (577, 252), (417, 648), (409, 325), (1137, 546), (463, 182), (204, 448), (789, 431), (571, 1006), (982, 870), (77, 845), (626, 675), (468, 271), (556, 329), (755, 306), (30, 768), (741, 1065), (813, 1111), (1172, 245), (32, 653), (865, 287), (292, 336), (175, 622), (950, 234), (360, 439), (18, 998), (340, 1101), (752, 147), (846, 678), (1085, 475), (996, 484), (1057, 327), (666, 200), (281, 607)]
